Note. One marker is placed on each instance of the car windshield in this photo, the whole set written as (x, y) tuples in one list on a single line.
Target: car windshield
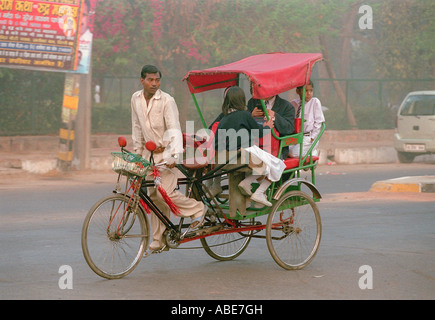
[(419, 105)]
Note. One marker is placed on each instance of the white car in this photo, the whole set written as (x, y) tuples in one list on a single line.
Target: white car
[(415, 126)]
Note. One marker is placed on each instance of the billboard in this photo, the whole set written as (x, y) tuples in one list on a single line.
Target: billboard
[(52, 35)]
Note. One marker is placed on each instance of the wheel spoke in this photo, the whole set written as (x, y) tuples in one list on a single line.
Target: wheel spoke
[(227, 246), (114, 237), (293, 230)]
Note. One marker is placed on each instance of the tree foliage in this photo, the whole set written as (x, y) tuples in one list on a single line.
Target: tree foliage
[(27, 102), (404, 38), (178, 35), (211, 32)]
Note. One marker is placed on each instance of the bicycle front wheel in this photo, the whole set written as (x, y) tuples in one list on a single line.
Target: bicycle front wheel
[(114, 236), (293, 230)]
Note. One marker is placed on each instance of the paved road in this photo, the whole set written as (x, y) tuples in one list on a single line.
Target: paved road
[(392, 233)]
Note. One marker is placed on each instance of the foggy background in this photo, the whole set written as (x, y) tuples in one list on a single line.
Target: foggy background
[(374, 64)]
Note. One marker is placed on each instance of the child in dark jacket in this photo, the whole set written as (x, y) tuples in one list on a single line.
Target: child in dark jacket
[(238, 129)]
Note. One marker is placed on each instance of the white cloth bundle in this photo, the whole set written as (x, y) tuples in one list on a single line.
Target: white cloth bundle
[(263, 163)]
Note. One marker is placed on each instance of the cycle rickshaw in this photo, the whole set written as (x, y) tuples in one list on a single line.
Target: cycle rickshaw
[(116, 231)]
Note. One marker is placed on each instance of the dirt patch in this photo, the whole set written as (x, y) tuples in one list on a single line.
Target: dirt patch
[(379, 196)]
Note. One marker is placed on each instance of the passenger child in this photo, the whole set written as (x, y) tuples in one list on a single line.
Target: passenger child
[(313, 119)]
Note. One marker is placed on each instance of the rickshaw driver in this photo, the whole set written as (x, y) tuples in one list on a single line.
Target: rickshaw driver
[(155, 118)]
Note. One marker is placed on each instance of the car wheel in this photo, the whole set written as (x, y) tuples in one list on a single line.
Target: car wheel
[(405, 157)]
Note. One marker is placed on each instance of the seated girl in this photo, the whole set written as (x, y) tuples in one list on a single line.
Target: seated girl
[(238, 129)]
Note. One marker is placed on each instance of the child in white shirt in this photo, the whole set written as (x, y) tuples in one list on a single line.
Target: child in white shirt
[(313, 118)]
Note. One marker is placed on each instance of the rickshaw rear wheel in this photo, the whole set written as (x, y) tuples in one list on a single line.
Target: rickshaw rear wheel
[(227, 246), (293, 230)]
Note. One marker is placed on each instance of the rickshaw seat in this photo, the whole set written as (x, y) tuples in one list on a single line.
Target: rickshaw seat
[(291, 162), (195, 163)]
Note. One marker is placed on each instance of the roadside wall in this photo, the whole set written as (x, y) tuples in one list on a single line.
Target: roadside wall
[(339, 146)]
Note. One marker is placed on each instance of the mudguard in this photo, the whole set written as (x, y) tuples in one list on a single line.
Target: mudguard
[(286, 184)]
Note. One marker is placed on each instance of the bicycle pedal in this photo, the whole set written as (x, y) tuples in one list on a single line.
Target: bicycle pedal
[(185, 233)]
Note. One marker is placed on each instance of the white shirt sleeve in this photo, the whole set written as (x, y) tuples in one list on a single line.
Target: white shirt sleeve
[(314, 118), (137, 137), (173, 134)]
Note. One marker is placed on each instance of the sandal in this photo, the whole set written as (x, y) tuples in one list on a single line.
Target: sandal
[(197, 222)]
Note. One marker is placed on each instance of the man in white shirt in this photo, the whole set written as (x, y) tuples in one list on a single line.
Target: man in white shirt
[(155, 118), (313, 119)]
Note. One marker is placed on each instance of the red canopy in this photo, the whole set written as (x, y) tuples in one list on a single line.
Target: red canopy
[(269, 73)]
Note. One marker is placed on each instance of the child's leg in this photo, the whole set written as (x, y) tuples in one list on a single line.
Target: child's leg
[(259, 194), (214, 185), (245, 185)]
